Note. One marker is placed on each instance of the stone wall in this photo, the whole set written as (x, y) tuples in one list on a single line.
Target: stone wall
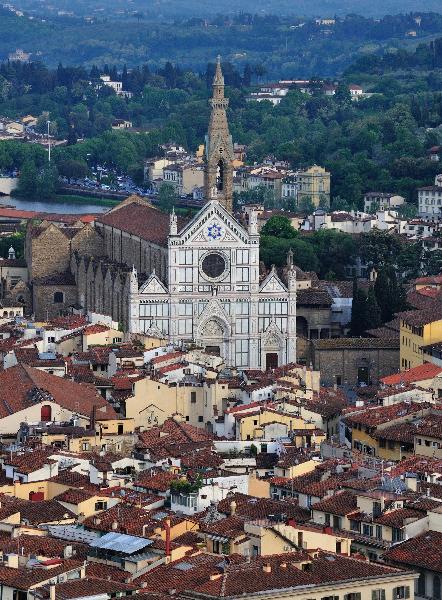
[(44, 305), (347, 365)]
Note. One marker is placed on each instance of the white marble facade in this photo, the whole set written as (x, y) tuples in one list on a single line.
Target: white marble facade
[(213, 295)]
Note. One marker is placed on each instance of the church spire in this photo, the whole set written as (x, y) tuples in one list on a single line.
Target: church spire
[(219, 155)]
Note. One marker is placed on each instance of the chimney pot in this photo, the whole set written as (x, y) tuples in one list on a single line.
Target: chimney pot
[(267, 568), (114, 525)]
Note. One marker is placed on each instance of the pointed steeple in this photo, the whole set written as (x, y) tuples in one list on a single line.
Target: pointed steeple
[(219, 154), (173, 229)]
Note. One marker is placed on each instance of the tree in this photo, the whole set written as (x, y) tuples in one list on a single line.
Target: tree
[(47, 182), (28, 179), (389, 294), (433, 262), (167, 197), (305, 205), (373, 312), (279, 226), (358, 311), (72, 169)]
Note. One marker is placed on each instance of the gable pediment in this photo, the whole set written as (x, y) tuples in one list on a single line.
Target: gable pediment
[(272, 284), (213, 224), (153, 286)]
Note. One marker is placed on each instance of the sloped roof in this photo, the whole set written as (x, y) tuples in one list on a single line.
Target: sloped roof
[(22, 386)]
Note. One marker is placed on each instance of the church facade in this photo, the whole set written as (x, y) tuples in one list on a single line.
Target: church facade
[(212, 294)]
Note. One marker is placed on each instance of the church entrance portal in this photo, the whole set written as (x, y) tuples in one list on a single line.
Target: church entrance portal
[(271, 360)]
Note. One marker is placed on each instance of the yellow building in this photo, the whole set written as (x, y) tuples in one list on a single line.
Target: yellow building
[(268, 424), (314, 184), (153, 401), (385, 431), (418, 328)]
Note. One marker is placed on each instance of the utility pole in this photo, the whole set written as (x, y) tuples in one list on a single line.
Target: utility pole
[(49, 143)]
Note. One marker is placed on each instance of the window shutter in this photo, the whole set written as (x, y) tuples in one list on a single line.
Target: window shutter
[(374, 595), (382, 594), (394, 594), (407, 591)]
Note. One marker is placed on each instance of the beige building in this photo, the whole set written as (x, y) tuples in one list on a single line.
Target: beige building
[(314, 184), (184, 177)]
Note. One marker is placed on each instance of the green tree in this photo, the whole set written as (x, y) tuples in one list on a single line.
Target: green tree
[(373, 312), (279, 226), (47, 182), (27, 182), (389, 293), (305, 205), (358, 311), (167, 197), (72, 169)]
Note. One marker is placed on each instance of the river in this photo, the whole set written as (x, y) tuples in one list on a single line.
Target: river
[(66, 208)]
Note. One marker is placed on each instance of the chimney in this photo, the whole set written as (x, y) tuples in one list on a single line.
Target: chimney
[(233, 508), (114, 525), (167, 526), (267, 568), (52, 591), (97, 521), (283, 565), (144, 584)]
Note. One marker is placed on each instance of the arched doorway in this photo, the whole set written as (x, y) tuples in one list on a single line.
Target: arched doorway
[(213, 335)]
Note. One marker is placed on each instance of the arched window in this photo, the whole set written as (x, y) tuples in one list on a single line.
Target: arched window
[(436, 587), (58, 298), (46, 413)]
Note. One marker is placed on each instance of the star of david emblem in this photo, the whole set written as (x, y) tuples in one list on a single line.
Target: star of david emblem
[(214, 231)]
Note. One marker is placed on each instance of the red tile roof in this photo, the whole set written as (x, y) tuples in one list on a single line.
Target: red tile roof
[(142, 220), (22, 386), (419, 373), (423, 552), (341, 503), (371, 417), (396, 518)]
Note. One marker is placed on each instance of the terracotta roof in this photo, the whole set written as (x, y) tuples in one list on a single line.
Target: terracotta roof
[(341, 503), (89, 586), (22, 386), (39, 545), (419, 373), (142, 220), (419, 318), (430, 426), (396, 518), (423, 551), (160, 482), (24, 578), (28, 462), (130, 520), (400, 432), (234, 577), (371, 417), (230, 527), (251, 507)]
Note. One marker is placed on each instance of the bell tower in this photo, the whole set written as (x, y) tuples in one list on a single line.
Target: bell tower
[(219, 155)]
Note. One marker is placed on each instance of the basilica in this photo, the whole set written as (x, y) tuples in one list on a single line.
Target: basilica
[(194, 281)]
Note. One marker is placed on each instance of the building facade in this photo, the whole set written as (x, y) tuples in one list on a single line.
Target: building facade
[(213, 295)]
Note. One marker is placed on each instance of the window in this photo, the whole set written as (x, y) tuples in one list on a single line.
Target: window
[(58, 298), (85, 446), (421, 584), (397, 534), (352, 596), (436, 587), (213, 265), (200, 419), (120, 430), (355, 525), (401, 592), (242, 274), (100, 505), (327, 519), (367, 529), (193, 397), (379, 532), (378, 594), (336, 522), (338, 547), (330, 598), (377, 509)]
